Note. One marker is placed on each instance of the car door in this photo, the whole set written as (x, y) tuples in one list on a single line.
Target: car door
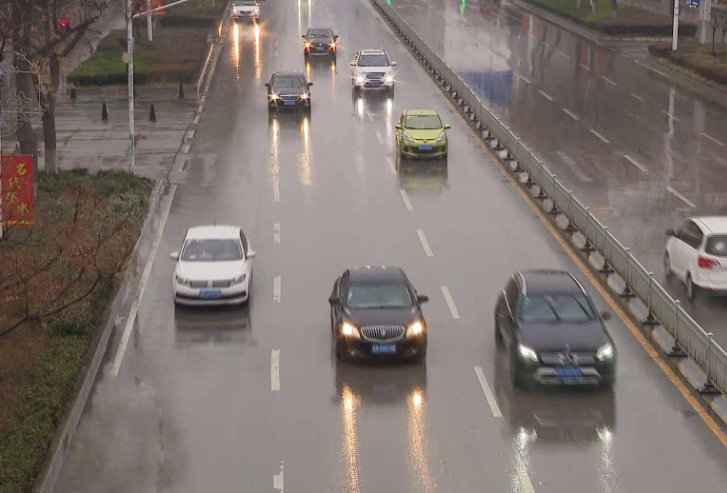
[(691, 255), (680, 253), (339, 291)]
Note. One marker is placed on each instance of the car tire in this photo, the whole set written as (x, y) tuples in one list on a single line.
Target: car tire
[(691, 287), (499, 341), (422, 356), (667, 267), (516, 379)]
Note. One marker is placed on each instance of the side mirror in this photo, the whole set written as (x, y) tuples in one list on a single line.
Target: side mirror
[(310, 84), (670, 232), (393, 64), (352, 64), (398, 126), (333, 300), (174, 255), (335, 36), (303, 36), (267, 84), (422, 298), (606, 315), (251, 254), (447, 126)]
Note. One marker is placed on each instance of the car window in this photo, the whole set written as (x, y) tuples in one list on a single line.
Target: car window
[(372, 295), (373, 61), (243, 240), (555, 308), (511, 292), (245, 3), (319, 33), (716, 245), (285, 81), (423, 122), (211, 250), (693, 234)]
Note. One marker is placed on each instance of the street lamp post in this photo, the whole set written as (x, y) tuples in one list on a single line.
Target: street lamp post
[(130, 61)]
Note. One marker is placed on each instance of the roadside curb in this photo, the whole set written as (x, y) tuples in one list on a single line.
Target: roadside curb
[(63, 436), (683, 372)]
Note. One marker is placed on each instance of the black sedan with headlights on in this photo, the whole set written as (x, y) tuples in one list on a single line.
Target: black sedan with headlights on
[(376, 313), (320, 41), (288, 90), (553, 332)]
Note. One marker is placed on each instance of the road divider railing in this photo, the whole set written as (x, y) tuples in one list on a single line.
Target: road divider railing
[(222, 20), (689, 337)]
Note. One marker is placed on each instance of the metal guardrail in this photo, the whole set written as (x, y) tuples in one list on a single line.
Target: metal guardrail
[(688, 335), (223, 17)]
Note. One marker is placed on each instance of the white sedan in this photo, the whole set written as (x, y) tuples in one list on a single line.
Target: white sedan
[(214, 267)]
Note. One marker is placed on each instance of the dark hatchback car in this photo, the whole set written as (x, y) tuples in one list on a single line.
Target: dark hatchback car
[(376, 313), (320, 41), (553, 332), (288, 90)]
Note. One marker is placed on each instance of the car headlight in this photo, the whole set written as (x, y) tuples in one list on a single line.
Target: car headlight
[(274, 96), (605, 353), (349, 330), (303, 96), (389, 78), (527, 353), (415, 329), (239, 279), (307, 44), (442, 138), (359, 79), (407, 137), (181, 280)]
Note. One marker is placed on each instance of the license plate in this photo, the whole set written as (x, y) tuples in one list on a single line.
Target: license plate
[(383, 349), (425, 148), (210, 293), (289, 103), (568, 371)]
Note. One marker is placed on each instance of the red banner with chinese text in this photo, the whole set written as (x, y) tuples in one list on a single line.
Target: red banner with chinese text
[(155, 4), (17, 190)]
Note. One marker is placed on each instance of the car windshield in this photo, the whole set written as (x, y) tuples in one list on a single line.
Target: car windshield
[(423, 122), (373, 61), (717, 246), (319, 33), (378, 296), (288, 81), (246, 3), (211, 250), (555, 308)]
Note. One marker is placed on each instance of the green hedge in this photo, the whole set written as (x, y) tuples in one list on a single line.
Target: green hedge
[(697, 58), (106, 67)]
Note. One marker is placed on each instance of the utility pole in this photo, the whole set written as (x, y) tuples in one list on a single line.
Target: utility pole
[(130, 56), (675, 32), (148, 21)]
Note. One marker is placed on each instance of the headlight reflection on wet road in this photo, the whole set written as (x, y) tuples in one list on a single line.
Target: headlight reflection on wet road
[(350, 405), (419, 463)]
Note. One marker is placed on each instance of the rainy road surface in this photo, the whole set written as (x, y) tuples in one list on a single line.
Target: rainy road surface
[(643, 152), (253, 400)]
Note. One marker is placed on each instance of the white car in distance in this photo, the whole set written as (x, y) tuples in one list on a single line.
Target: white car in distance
[(372, 69), (246, 9), (214, 267), (696, 253)]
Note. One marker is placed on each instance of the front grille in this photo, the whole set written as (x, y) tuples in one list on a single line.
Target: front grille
[(221, 284), (198, 284), (382, 332), (289, 97), (560, 358), (375, 75)]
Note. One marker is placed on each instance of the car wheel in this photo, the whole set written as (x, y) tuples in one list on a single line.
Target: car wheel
[(667, 267), (422, 356), (691, 287), (517, 380)]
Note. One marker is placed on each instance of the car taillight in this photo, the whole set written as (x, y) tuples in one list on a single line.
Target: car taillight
[(707, 263)]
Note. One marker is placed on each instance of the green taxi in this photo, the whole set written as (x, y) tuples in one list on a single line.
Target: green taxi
[(421, 134)]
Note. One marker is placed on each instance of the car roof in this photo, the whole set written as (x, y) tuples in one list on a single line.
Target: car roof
[(213, 232), (421, 112), (372, 52), (377, 273), (712, 224), (288, 74), (544, 281)]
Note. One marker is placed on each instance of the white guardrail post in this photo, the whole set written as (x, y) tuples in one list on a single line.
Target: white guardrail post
[(690, 338)]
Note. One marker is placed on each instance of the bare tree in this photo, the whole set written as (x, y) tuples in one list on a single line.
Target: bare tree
[(40, 44), (51, 267)]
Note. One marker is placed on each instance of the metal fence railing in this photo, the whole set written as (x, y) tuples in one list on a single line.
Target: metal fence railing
[(688, 335)]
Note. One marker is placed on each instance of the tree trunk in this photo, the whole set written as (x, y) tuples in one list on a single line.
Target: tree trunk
[(49, 115), (24, 82), (594, 5), (614, 8), (579, 4)]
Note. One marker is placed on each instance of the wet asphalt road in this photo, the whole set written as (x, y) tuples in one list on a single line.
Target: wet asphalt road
[(195, 406), (642, 152)]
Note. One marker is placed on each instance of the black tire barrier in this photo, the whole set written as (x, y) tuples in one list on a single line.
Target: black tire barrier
[(152, 114), (104, 113)]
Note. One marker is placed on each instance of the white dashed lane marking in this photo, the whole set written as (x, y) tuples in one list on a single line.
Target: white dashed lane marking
[(425, 243)]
